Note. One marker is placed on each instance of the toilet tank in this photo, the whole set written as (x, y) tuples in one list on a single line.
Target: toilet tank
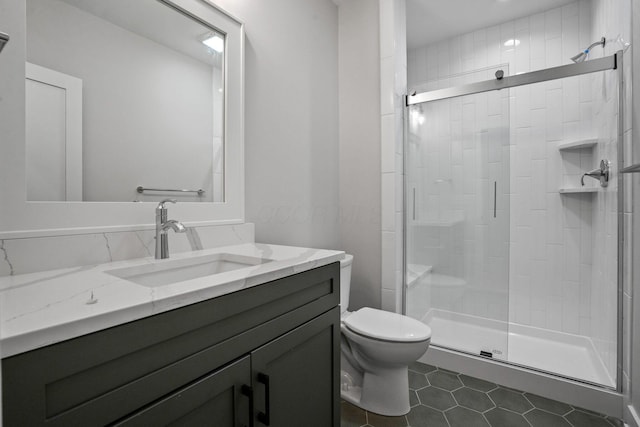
[(345, 281)]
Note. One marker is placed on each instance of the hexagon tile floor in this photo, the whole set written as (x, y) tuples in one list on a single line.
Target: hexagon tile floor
[(441, 398)]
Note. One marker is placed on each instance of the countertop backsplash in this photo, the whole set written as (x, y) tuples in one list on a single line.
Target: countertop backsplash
[(30, 255)]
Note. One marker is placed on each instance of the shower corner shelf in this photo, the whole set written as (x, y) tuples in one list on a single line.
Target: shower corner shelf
[(574, 190), (415, 272), (576, 145)]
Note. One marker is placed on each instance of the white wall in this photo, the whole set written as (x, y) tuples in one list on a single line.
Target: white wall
[(291, 120), (393, 88), (359, 97)]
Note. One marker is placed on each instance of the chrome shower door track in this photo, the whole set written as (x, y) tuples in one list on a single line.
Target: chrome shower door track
[(570, 70)]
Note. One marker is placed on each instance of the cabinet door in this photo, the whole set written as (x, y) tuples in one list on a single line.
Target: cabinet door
[(296, 377), (217, 400)]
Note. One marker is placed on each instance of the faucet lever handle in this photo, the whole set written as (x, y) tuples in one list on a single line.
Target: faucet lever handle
[(161, 204), (601, 174)]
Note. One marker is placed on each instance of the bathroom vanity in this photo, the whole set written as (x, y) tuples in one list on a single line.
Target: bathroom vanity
[(258, 345)]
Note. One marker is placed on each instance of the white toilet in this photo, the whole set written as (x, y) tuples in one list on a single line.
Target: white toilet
[(377, 347)]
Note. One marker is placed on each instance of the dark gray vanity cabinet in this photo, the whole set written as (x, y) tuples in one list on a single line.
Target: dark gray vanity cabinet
[(267, 355), (215, 400)]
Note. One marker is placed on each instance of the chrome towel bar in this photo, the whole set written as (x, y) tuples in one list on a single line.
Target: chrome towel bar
[(141, 189)]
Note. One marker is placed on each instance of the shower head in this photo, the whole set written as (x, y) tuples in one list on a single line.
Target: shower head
[(580, 57), (585, 53), (4, 39)]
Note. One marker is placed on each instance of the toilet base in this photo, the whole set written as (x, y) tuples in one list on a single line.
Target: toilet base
[(385, 392)]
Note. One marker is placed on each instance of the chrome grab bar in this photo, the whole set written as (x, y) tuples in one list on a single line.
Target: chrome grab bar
[(141, 189)]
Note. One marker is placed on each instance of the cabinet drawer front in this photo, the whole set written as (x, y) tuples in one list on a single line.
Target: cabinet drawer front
[(215, 400), (101, 377)]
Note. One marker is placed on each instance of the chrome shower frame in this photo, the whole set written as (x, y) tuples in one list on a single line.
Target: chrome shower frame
[(613, 62)]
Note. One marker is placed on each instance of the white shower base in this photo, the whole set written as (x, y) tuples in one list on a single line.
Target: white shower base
[(560, 353)]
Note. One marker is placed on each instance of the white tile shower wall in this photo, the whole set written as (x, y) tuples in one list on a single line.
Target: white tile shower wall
[(611, 19), (551, 256), (29, 255), (393, 87)]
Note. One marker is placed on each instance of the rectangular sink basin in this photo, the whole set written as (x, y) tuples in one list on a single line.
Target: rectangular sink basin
[(173, 271)]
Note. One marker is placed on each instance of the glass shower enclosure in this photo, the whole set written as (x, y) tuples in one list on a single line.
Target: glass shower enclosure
[(511, 216)]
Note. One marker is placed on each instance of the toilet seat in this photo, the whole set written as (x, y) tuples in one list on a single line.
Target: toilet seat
[(387, 326)]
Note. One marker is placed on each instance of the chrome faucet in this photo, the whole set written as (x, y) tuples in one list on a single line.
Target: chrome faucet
[(162, 226)]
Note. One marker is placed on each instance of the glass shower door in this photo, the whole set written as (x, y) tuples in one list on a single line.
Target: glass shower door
[(457, 226)]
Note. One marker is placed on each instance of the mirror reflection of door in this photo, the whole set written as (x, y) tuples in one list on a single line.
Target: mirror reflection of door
[(154, 96), (53, 135)]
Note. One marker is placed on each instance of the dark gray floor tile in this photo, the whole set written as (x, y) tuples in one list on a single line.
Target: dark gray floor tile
[(436, 398), (548, 404), (444, 380), (582, 419), (381, 421), (421, 416), (417, 380), (423, 368), (463, 417), (473, 399), (540, 418), (510, 400), (413, 399), (477, 384), (499, 417), (351, 415), (454, 400)]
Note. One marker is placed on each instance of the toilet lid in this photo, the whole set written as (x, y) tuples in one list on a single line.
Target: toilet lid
[(387, 326)]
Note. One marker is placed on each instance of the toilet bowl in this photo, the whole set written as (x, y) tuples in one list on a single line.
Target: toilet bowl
[(376, 349)]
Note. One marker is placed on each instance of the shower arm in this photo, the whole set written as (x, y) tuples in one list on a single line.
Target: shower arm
[(602, 41)]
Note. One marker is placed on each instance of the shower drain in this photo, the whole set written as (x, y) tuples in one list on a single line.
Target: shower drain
[(486, 353)]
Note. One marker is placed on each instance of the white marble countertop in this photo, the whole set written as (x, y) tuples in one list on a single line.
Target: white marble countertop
[(43, 308)]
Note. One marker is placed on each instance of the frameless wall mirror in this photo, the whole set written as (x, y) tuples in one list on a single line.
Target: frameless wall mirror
[(125, 101)]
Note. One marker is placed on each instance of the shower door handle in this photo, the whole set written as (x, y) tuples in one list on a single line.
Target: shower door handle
[(495, 197), (414, 203)]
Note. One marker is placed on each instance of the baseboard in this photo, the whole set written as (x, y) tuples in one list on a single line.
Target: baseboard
[(631, 417)]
